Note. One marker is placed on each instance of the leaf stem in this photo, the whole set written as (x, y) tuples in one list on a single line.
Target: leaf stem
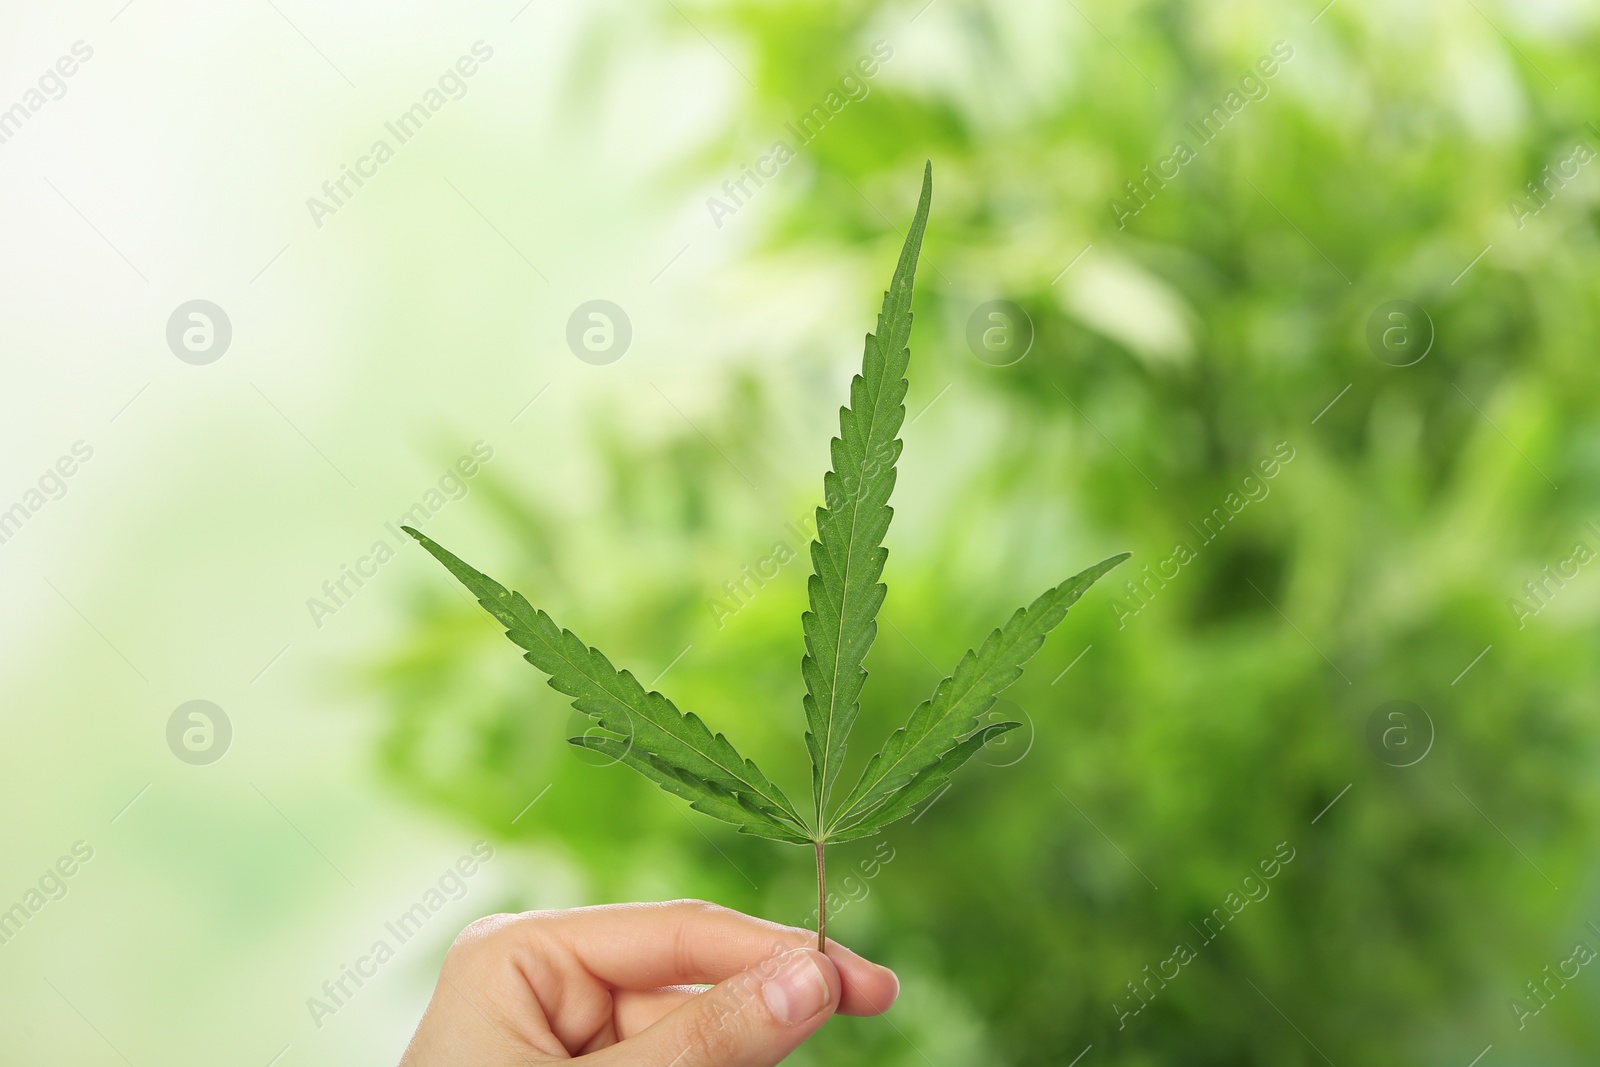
[(822, 899)]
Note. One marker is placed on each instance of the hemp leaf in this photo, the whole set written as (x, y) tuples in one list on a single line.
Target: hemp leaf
[(848, 555), (677, 751)]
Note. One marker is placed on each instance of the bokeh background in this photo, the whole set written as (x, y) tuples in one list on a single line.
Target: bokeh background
[(1380, 662)]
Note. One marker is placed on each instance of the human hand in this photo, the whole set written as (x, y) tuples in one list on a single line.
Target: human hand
[(610, 986)]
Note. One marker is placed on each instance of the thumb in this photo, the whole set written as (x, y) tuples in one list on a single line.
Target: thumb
[(753, 1019)]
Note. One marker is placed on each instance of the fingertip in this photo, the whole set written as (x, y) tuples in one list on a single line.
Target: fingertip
[(878, 994), (869, 988), (894, 988)]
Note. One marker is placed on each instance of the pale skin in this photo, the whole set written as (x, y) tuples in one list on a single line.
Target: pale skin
[(613, 985)]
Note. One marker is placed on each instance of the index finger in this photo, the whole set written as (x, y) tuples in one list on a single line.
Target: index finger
[(648, 946)]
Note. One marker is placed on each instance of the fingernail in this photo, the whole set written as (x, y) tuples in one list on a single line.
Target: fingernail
[(798, 990)]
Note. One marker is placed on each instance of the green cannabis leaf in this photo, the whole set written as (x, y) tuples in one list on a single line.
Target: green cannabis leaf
[(677, 751), (848, 555), (674, 749), (939, 725)]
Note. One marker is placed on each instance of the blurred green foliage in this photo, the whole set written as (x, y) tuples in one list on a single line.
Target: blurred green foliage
[(1197, 734)]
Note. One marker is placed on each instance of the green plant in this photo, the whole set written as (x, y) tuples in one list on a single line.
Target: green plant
[(677, 751)]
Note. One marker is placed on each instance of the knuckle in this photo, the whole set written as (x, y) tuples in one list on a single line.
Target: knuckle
[(693, 907), (684, 956), (478, 931), (688, 934), (484, 945)]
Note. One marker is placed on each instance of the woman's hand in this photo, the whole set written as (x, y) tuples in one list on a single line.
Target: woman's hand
[(610, 986)]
